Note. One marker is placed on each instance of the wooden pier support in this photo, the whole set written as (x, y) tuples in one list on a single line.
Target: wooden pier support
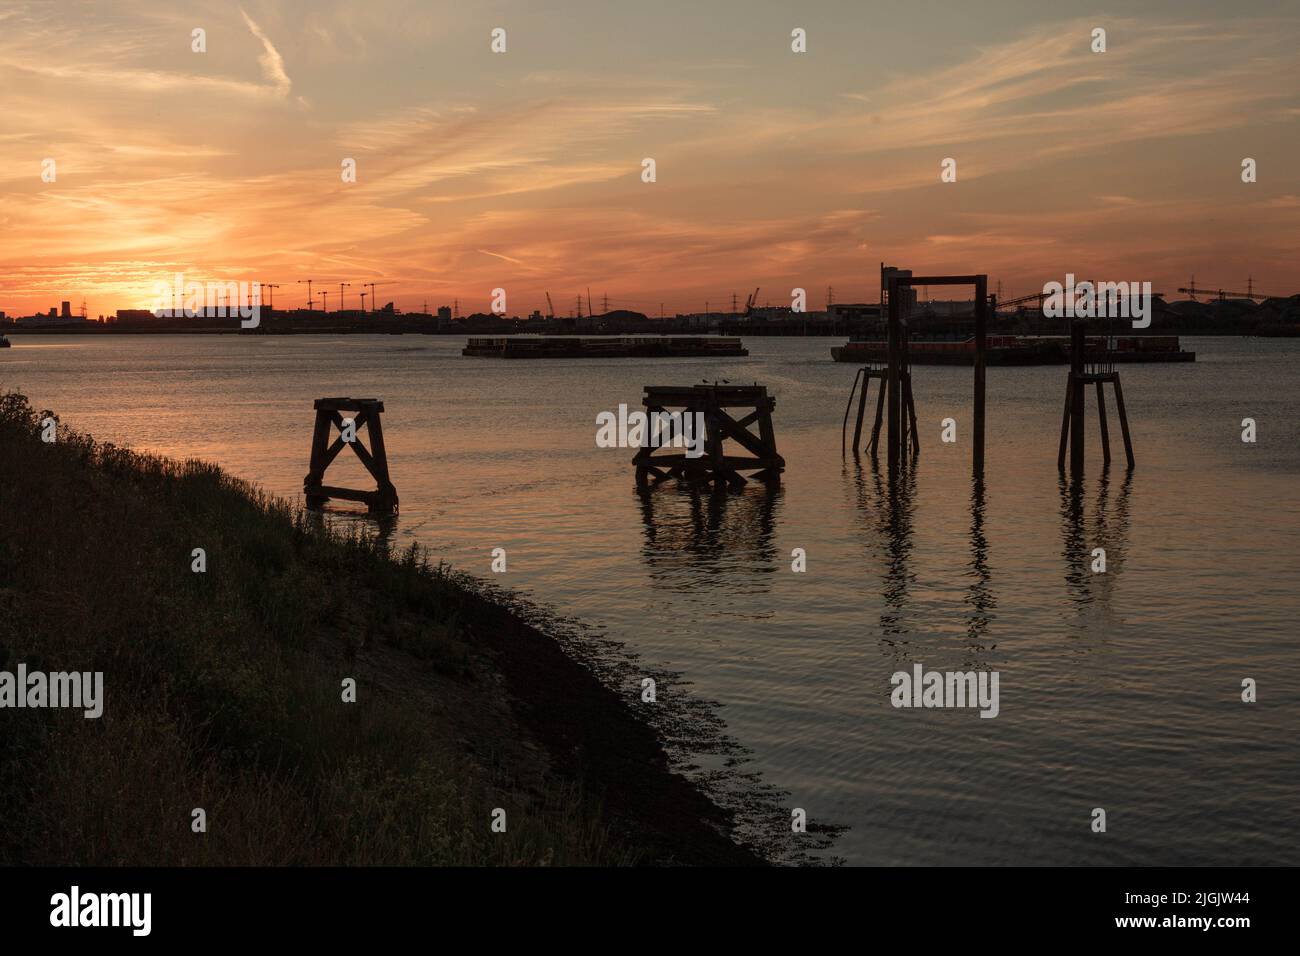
[(381, 501), (715, 466), (899, 373), (861, 383), (981, 341), (1072, 426)]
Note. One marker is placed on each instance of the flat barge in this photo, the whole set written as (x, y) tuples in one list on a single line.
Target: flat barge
[(628, 346), (1018, 350)]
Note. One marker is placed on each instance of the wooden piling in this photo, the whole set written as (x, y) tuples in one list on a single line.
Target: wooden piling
[(1123, 420), (862, 409), (898, 391), (1065, 427), (893, 431), (981, 341), (1101, 420), (1076, 398), (912, 434), (367, 411), (1072, 427), (880, 417), (861, 385)]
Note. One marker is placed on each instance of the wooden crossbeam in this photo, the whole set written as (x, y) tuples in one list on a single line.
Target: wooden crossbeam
[(714, 465), (383, 500)]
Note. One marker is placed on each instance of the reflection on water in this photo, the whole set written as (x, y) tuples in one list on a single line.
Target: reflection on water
[(979, 593), (1118, 687), (885, 511), (693, 529), (1085, 528)]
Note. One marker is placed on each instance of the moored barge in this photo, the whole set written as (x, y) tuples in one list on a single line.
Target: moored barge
[(628, 346), (1018, 350)]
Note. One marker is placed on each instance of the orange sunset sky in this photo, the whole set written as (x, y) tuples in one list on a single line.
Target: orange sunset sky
[(523, 169)]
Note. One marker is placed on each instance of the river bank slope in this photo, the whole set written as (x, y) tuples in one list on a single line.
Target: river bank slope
[(224, 690)]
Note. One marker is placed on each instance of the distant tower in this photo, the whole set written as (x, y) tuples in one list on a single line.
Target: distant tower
[(67, 309)]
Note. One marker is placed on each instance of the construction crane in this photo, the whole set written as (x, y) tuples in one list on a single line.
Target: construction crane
[(751, 301), (324, 301), (1040, 296), (550, 307), (272, 286), (342, 286), (1222, 295), (363, 302), (310, 300), (1023, 299), (373, 300)]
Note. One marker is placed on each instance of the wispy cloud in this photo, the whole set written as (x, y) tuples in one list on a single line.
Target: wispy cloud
[(270, 59), (476, 170)]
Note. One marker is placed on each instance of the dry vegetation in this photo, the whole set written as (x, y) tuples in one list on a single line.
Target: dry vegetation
[(223, 688)]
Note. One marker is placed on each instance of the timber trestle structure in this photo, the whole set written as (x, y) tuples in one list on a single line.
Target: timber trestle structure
[(366, 411), (715, 465)]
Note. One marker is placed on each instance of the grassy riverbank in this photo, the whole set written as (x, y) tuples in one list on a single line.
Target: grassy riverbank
[(223, 690)]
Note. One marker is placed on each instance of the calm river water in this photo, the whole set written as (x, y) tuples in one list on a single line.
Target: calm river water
[(1118, 690)]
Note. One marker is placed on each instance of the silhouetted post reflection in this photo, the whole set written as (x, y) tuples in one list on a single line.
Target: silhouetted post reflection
[(717, 532), (1108, 530), (979, 596), (885, 509)]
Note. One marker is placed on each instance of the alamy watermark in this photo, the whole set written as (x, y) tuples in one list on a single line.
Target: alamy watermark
[(75, 908), (191, 299), (663, 429), (923, 688), (1087, 300), (75, 689)]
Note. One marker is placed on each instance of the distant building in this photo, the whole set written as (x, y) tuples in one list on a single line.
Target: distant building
[(945, 307), (51, 318), (67, 309), (771, 313), (855, 311), (906, 294)]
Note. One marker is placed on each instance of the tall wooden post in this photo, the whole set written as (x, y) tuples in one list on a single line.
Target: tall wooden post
[(880, 413), (862, 409), (1076, 397), (981, 340), (320, 438), (1105, 428), (893, 435), (1123, 421)]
